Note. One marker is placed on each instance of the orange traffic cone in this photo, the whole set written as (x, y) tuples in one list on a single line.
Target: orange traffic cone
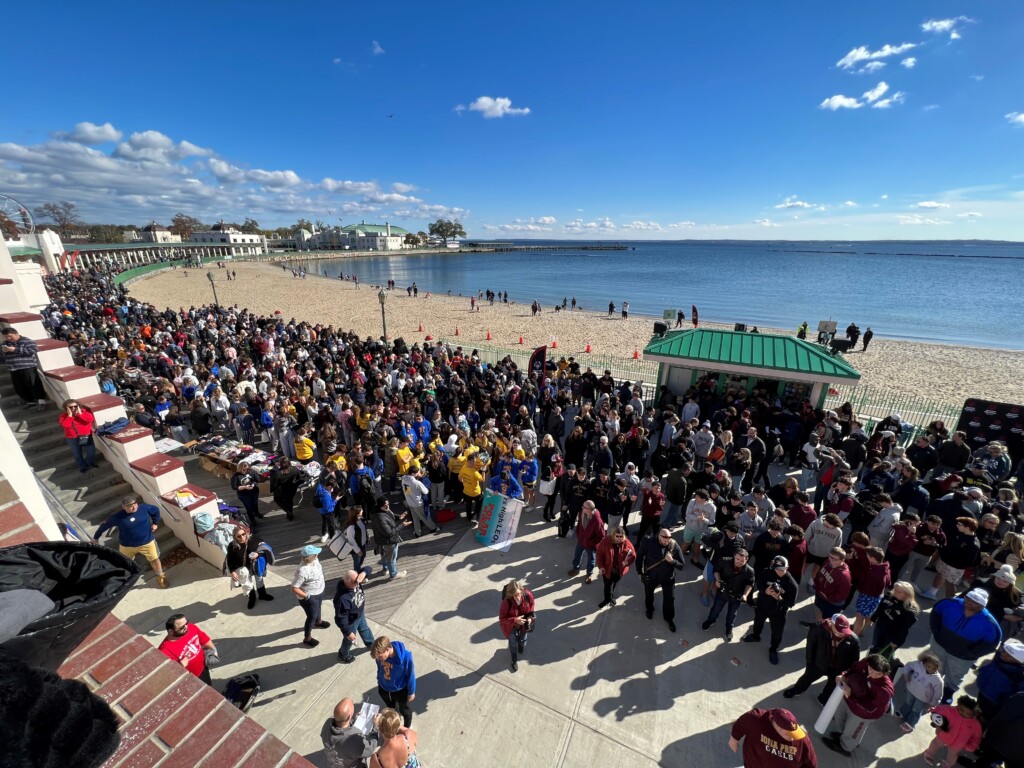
[(520, 339), (636, 353), (488, 334), (554, 343), (588, 347), (420, 329), (456, 330)]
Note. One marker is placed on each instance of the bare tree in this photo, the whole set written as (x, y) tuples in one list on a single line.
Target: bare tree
[(64, 214)]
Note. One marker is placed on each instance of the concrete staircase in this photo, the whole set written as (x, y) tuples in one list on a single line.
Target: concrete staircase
[(91, 497)]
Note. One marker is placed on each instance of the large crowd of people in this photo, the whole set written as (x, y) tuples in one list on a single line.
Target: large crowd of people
[(869, 523)]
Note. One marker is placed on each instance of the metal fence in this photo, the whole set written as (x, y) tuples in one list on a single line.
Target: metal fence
[(873, 404), (643, 371)]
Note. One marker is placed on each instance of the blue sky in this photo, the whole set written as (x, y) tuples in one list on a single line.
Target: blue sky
[(557, 120)]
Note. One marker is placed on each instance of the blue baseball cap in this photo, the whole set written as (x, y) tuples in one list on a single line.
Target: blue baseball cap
[(309, 550)]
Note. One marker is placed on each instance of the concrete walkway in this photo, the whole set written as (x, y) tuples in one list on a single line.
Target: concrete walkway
[(596, 688)]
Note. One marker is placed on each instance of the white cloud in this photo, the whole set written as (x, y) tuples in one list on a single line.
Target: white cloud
[(152, 176), (977, 78), (897, 98), (579, 226), (854, 60), (793, 202), (910, 62), (941, 26), (871, 66), (540, 224), (840, 102), (274, 178), (917, 219), (348, 187), (335, 61), (877, 92), (547, 220), (1016, 118), (225, 172), (970, 215), (931, 204), (849, 204), (644, 226), (683, 225), (491, 107), (155, 147), (377, 50), (765, 222), (930, 107), (90, 133), (884, 197)]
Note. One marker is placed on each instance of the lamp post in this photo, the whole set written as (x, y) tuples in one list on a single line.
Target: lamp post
[(382, 297), (209, 276)]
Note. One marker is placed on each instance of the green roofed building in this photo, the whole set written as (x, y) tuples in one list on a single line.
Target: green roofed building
[(359, 237), (786, 365)]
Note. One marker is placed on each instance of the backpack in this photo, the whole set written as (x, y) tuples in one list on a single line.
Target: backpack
[(367, 489), (242, 690), (203, 523)]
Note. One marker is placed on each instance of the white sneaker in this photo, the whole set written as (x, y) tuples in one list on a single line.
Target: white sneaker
[(930, 594), (399, 575), (325, 538)]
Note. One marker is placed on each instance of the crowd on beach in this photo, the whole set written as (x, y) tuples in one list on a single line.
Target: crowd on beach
[(865, 522)]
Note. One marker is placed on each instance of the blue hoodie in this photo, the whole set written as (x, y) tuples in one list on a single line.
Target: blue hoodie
[(1000, 679), (397, 672), (967, 638)]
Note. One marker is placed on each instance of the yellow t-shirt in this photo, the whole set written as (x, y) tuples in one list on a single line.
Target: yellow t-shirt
[(304, 448), (404, 458), (471, 478)]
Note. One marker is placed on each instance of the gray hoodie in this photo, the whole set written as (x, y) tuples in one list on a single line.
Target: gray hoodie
[(346, 747)]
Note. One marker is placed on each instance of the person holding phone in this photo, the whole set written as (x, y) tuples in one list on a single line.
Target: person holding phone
[(20, 355), (78, 428)]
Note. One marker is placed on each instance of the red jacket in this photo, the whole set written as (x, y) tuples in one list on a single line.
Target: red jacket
[(902, 542), (652, 504), (509, 611), (869, 697), (802, 515), (611, 558), (833, 584), (78, 425), (875, 579), (593, 533)]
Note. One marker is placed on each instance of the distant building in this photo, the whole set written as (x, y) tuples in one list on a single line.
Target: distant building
[(240, 243), (131, 236), (359, 237), (157, 233)]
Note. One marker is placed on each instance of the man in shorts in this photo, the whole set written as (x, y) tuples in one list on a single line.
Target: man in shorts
[(135, 525)]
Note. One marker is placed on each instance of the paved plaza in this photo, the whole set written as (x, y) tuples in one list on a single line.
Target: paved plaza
[(604, 687)]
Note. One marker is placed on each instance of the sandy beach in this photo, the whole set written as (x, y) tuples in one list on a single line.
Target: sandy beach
[(935, 371)]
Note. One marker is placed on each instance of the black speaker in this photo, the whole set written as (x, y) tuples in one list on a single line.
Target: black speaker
[(660, 328), (741, 327)]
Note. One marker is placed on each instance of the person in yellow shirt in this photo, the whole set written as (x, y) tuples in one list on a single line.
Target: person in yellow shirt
[(304, 447), (453, 485), (403, 456), (472, 477)]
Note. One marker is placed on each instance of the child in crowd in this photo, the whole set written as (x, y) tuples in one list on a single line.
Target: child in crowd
[(923, 689), (957, 729)]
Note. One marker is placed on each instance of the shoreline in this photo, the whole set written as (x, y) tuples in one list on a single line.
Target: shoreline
[(942, 373), (716, 323)]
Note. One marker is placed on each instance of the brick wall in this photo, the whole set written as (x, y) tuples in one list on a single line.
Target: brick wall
[(168, 716)]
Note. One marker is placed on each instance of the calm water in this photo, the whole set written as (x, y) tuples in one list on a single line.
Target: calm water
[(952, 292)]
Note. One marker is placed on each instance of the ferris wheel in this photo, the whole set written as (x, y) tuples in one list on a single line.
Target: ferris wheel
[(15, 219)]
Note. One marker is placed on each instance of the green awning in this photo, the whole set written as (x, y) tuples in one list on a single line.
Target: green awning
[(761, 351)]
